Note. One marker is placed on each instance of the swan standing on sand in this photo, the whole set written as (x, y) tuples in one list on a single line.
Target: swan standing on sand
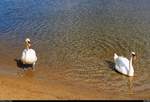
[(123, 65), (28, 54)]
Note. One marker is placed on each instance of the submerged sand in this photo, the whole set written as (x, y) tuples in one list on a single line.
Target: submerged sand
[(28, 85)]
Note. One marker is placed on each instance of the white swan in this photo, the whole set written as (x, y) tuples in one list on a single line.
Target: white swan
[(123, 65), (28, 54)]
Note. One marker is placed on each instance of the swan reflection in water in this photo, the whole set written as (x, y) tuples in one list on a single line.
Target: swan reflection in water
[(130, 85)]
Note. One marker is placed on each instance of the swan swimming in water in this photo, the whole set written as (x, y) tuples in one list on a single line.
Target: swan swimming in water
[(28, 54), (123, 65)]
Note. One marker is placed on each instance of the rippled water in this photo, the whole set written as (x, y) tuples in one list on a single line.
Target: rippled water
[(77, 39)]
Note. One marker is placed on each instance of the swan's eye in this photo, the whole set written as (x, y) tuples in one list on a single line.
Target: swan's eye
[(29, 42)]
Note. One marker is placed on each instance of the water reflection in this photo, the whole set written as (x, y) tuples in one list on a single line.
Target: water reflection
[(130, 84)]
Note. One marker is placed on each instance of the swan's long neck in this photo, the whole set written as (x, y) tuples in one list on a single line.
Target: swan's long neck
[(27, 46), (131, 70)]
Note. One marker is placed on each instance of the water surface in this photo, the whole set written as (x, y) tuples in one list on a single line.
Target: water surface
[(76, 40)]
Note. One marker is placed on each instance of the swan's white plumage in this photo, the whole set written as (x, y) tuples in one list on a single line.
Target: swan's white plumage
[(28, 56), (123, 65)]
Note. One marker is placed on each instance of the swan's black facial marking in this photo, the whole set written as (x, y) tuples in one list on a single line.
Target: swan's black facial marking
[(29, 42), (133, 55)]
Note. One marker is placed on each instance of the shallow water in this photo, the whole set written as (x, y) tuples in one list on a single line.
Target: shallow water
[(76, 40)]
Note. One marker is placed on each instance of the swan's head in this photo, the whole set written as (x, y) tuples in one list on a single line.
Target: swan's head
[(28, 42), (133, 55)]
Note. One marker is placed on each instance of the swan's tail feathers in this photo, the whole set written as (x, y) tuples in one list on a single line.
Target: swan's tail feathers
[(115, 56)]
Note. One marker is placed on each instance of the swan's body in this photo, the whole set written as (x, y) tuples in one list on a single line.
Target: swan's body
[(28, 54), (123, 65)]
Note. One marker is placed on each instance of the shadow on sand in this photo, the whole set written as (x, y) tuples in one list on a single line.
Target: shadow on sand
[(21, 65)]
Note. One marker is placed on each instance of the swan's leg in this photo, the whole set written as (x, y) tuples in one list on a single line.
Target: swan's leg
[(33, 67)]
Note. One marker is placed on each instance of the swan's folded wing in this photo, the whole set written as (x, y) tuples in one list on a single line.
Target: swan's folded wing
[(32, 55), (122, 63), (23, 54)]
